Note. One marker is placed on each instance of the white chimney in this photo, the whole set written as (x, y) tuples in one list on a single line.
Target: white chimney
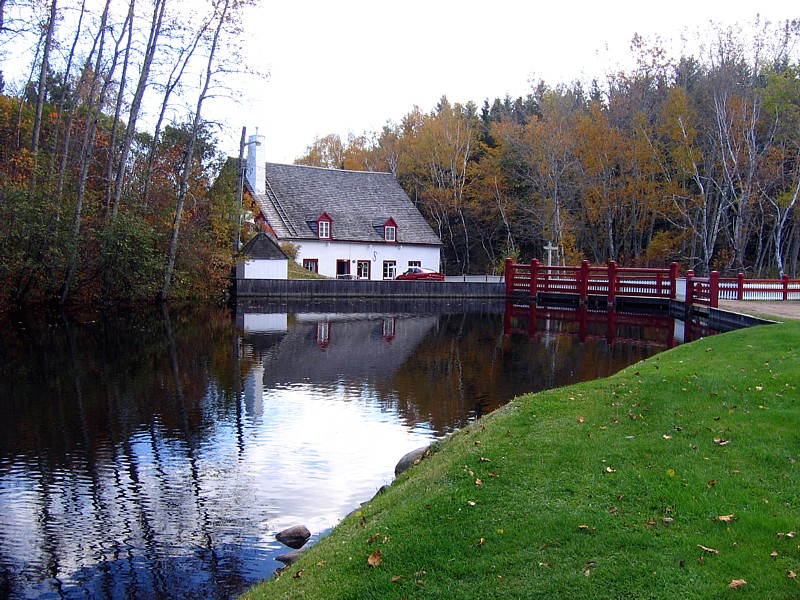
[(256, 171)]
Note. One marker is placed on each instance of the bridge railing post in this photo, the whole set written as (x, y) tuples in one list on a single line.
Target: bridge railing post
[(612, 282), (674, 271), (583, 281), (509, 275), (689, 288), (713, 289), (785, 279), (740, 286), (534, 278)]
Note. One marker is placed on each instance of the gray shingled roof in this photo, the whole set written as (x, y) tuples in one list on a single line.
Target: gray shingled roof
[(355, 201), (262, 246)]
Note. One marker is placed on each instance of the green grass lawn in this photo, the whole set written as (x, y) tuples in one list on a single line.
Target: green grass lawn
[(299, 272), (676, 478)]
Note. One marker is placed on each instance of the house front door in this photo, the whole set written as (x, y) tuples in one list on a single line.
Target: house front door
[(342, 268)]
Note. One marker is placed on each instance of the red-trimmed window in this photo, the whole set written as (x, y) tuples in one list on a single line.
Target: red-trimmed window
[(312, 264), (390, 230), (325, 226)]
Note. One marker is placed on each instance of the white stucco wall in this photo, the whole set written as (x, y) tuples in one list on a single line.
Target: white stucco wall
[(327, 253), (262, 269)]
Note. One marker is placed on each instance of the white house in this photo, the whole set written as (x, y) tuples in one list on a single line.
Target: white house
[(262, 258), (346, 224)]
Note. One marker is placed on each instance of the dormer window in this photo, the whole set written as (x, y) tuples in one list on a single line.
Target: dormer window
[(390, 230), (324, 226)]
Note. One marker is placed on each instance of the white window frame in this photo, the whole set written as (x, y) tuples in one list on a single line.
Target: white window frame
[(415, 263), (390, 233), (324, 230), (389, 269)]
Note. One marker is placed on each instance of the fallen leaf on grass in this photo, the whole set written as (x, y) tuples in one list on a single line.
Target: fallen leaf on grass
[(711, 483), (479, 481), (580, 420), (725, 518), (374, 559), (298, 575), (321, 563), (610, 470), (737, 583), (774, 554), (480, 542), (484, 459), (396, 579), (721, 442), (709, 550), (667, 437), (470, 502), (373, 538), (791, 574)]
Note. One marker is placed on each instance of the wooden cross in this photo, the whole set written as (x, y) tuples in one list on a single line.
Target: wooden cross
[(550, 249)]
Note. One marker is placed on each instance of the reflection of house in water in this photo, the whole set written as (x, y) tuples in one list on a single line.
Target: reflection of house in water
[(327, 349), (263, 331)]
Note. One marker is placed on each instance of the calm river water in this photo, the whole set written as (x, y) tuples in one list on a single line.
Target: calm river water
[(156, 455)]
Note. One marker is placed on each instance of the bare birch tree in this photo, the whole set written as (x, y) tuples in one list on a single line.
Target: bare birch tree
[(220, 17)]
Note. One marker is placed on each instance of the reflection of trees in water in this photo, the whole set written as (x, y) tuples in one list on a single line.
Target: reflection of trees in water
[(466, 367), (104, 422)]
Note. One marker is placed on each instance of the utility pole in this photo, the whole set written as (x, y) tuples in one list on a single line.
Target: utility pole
[(237, 238)]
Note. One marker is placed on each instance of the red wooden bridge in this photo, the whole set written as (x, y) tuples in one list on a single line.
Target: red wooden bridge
[(587, 284)]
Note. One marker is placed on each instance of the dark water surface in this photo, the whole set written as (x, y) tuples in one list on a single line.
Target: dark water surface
[(156, 455)]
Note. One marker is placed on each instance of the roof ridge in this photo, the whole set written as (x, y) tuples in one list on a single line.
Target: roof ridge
[(329, 169)]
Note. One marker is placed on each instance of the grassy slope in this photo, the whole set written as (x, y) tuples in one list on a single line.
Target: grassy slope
[(299, 272), (600, 490)]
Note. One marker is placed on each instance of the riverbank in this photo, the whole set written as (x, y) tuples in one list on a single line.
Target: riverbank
[(677, 477)]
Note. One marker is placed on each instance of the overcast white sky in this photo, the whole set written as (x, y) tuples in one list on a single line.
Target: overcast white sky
[(351, 65)]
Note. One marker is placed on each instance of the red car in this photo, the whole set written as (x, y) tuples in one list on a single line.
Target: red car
[(418, 273)]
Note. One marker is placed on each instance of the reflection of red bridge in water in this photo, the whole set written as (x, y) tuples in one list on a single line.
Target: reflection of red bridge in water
[(618, 327)]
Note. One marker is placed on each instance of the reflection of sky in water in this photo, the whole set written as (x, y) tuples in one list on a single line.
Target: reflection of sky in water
[(319, 452), (307, 456)]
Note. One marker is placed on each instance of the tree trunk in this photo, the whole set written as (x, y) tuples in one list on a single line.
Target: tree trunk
[(37, 120), (187, 162), (136, 103), (92, 118)]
